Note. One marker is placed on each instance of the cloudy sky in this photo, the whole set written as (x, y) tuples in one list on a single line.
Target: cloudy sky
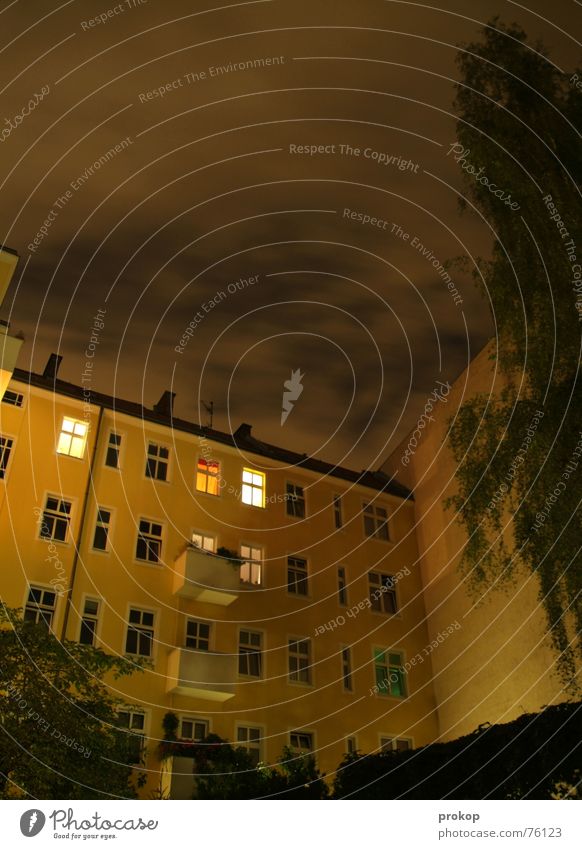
[(249, 141)]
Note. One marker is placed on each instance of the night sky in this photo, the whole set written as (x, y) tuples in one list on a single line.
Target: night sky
[(226, 141)]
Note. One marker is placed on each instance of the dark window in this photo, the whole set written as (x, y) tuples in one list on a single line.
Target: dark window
[(157, 462), (249, 739), (149, 541), (300, 661), (55, 519), (197, 635), (249, 654), (301, 741), (295, 499), (40, 606), (134, 722), (102, 528), (342, 592), (15, 399), (375, 521), (5, 448), (382, 592), (347, 668), (140, 633), (297, 575), (389, 673), (337, 511), (113, 450), (89, 622)]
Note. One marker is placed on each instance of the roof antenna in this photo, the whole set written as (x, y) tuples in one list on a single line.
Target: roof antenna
[(210, 410)]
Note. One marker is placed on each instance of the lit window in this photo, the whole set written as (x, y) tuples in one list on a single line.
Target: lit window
[(297, 575), (251, 565), (15, 399), (382, 592), (102, 528), (249, 654), (300, 661), (295, 500), (5, 448), (395, 744), (249, 739), (89, 622), (140, 633), (253, 488), (204, 541), (301, 741), (207, 476), (157, 462), (73, 437), (375, 521), (134, 722), (40, 606), (347, 669), (337, 511), (197, 635), (149, 541), (113, 450), (389, 673), (193, 729), (56, 519), (342, 592)]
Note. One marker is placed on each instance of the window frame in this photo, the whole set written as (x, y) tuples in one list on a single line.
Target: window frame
[(347, 685), (120, 449), (253, 487), (72, 435), (249, 676), (369, 511), (385, 739), (245, 744), (295, 500), (109, 529), (342, 587), (96, 618), (12, 439), (43, 588), (156, 563), (194, 719), (157, 459), (195, 621), (252, 561), (354, 738), (338, 511), (204, 535), (304, 580), (41, 519), (143, 737), (378, 603), (403, 677), (299, 732), (208, 477), (297, 655), (140, 629), (17, 394)]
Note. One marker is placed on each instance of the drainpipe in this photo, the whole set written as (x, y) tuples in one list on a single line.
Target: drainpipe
[(81, 528)]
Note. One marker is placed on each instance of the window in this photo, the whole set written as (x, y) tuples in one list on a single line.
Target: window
[(102, 528), (140, 633), (297, 575), (40, 606), (5, 448), (157, 462), (295, 500), (73, 437), (113, 453), (395, 744), (337, 511), (351, 745), (249, 739), (149, 541), (382, 592), (204, 541), (56, 519), (300, 661), (15, 399), (193, 729), (342, 593), (389, 673), (197, 635), (134, 721), (89, 621), (207, 477), (253, 488), (375, 521), (252, 564), (249, 653), (347, 668), (301, 741)]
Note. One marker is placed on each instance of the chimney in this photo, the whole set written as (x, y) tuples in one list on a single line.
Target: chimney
[(243, 431), (52, 367), (165, 406)]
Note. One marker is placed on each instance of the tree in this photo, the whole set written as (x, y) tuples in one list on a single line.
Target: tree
[(58, 735), (518, 455)]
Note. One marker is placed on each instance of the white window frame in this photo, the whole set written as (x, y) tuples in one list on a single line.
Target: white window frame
[(157, 459), (193, 718), (73, 437), (43, 588), (402, 666), (255, 565), (370, 511), (350, 669), (292, 498), (96, 618), (389, 743), (15, 392), (205, 537), (298, 655), (248, 744), (260, 651), (60, 498), (297, 582), (379, 593), (197, 637), (143, 732), (306, 733), (120, 449), (109, 528), (140, 628), (249, 488), (159, 562)]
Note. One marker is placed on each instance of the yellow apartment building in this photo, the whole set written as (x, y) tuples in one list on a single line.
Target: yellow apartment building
[(111, 518)]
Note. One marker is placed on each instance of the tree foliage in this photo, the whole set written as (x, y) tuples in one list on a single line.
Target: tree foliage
[(519, 499), (58, 738), (537, 756)]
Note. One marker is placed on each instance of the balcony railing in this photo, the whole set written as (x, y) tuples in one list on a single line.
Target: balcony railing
[(206, 675), (206, 577)]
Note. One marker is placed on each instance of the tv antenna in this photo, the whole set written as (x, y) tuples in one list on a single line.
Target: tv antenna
[(210, 410)]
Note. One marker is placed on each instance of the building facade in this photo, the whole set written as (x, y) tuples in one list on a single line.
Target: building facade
[(277, 599)]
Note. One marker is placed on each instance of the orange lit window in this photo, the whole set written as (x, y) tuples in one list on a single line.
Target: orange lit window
[(207, 475), (253, 488), (73, 437)]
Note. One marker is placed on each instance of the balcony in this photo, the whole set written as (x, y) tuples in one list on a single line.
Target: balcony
[(201, 674), (206, 577)]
